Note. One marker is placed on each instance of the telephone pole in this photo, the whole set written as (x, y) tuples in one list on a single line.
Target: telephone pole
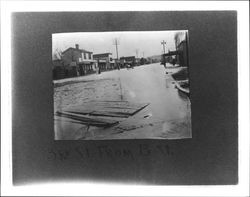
[(116, 47), (163, 44), (137, 51)]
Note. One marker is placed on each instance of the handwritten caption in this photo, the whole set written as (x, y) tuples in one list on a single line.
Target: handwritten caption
[(109, 152)]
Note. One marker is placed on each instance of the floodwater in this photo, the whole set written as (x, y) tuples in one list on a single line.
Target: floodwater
[(168, 116)]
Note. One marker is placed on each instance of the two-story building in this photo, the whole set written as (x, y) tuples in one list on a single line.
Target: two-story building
[(128, 61), (79, 58), (104, 61)]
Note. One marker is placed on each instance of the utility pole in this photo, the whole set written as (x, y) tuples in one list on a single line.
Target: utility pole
[(116, 46), (136, 51), (163, 44)]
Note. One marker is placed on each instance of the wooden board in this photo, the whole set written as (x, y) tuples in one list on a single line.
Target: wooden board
[(108, 108), (101, 113), (185, 90), (115, 104), (95, 111), (92, 121)]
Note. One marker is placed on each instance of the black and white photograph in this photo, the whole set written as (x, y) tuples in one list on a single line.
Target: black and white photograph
[(107, 98), (121, 85)]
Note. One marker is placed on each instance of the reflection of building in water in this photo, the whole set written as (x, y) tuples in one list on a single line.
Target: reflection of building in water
[(104, 61)]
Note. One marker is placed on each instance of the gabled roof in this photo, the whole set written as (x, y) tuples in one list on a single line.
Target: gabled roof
[(80, 50)]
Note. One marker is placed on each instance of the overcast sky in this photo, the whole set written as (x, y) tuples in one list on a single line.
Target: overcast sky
[(148, 42)]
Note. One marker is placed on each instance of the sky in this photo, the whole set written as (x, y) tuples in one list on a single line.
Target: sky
[(147, 43)]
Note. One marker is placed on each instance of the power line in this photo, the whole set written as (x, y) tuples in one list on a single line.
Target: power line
[(137, 51)]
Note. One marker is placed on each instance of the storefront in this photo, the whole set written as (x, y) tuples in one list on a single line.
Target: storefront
[(86, 67)]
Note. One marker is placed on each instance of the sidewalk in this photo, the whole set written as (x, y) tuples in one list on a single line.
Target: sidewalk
[(86, 78)]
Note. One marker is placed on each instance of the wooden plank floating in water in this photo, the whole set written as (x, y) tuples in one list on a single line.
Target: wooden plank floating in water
[(107, 108), (90, 112), (112, 112), (185, 90), (115, 104), (93, 121)]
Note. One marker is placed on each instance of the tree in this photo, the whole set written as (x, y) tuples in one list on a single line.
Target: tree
[(178, 37), (57, 55)]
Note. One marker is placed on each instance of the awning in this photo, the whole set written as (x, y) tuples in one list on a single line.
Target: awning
[(129, 62), (102, 61), (170, 53), (87, 61)]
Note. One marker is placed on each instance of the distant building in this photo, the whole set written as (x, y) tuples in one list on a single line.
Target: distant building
[(180, 55), (137, 61), (144, 61), (171, 57), (154, 59), (104, 61), (79, 58), (128, 61)]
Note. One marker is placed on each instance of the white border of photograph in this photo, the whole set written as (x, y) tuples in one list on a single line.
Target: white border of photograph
[(90, 189)]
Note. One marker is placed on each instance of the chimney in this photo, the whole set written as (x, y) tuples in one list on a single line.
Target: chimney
[(77, 46)]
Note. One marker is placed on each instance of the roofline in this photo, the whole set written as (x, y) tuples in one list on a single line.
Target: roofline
[(83, 50), (102, 54), (127, 57)]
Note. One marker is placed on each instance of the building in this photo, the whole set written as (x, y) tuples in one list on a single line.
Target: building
[(137, 61), (182, 58), (104, 61), (79, 59), (127, 61), (180, 55), (170, 57), (143, 61), (181, 44)]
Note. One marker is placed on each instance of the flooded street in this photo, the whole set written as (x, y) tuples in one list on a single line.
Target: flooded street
[(168, 115)]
